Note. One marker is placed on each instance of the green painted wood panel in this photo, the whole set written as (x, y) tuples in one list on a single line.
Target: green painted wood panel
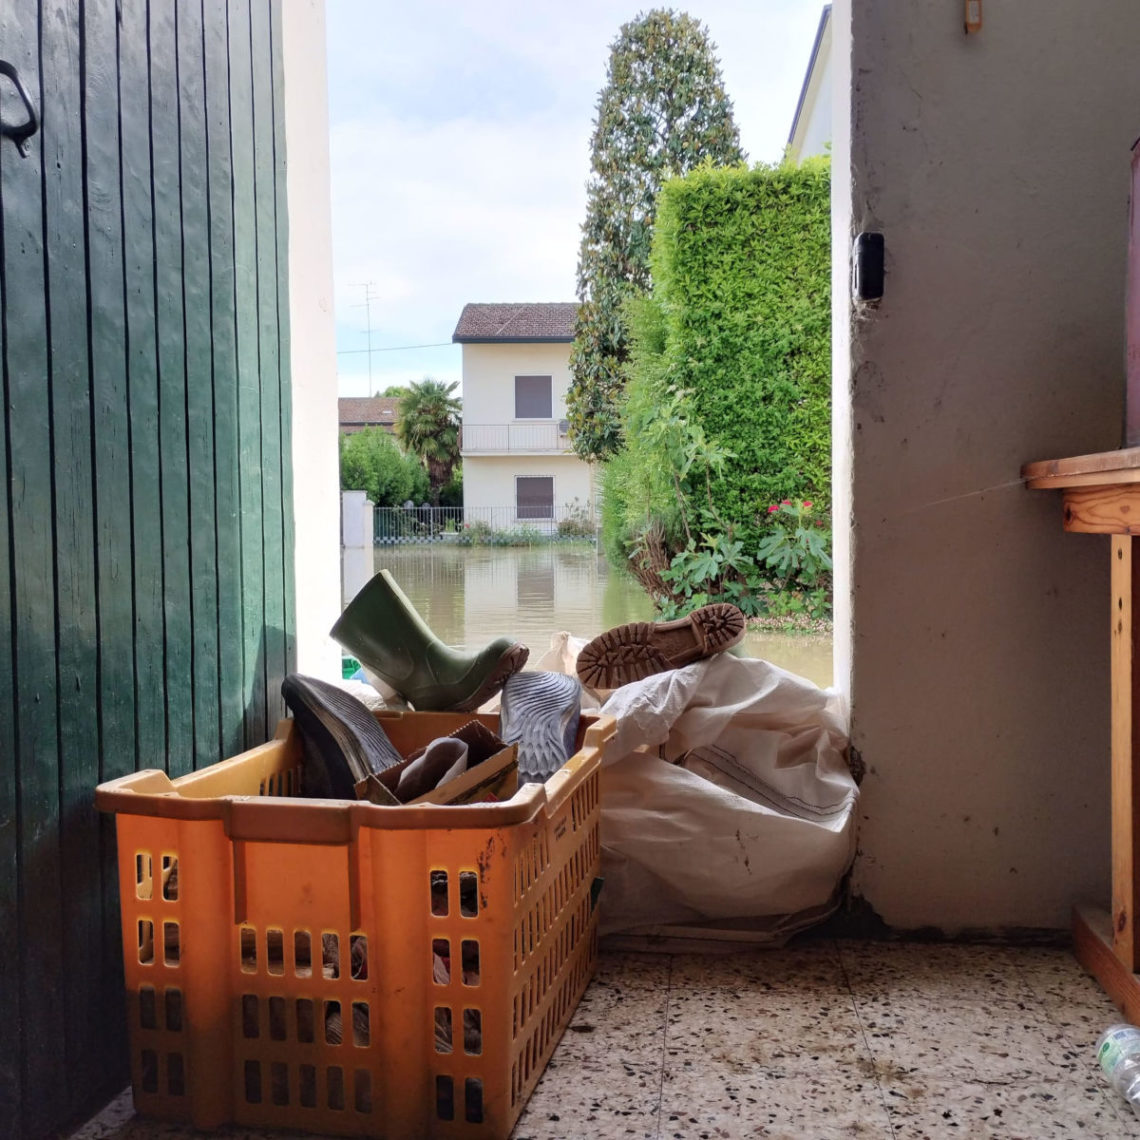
[(249, 380), (146, 592), (10, 1005), (33, 570), (142, 385), (74, 537), (171, 331), (199, 382), (107, 350), (268, 344), (227, 529), (285, 402)]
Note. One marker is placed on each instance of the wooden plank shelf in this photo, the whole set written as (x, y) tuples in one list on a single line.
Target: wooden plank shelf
[(1101, 495)]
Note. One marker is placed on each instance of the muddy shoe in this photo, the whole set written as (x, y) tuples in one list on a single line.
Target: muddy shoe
[(638, 650), (381, 628), (540, 713), (343, 742)]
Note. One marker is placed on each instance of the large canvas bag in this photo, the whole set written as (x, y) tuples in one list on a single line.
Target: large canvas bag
[(726, 795)]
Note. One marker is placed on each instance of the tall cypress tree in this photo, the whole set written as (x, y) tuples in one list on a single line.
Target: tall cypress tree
[(662, 111)]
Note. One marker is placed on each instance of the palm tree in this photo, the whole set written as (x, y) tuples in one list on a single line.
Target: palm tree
[(427, 424)]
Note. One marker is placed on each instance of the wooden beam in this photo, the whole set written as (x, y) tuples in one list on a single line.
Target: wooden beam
[(1110, 466), (1125, 751), (1103, 510), (1093, 947)]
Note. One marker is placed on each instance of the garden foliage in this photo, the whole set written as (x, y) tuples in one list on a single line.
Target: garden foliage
[(724, 487), (427, 425), (662, 112), (371, 461)]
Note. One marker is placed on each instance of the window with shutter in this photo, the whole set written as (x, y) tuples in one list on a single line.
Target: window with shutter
[(533, 399), (534, 496)]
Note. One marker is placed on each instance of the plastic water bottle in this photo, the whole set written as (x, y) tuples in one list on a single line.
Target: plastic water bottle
[(1118, 1052)]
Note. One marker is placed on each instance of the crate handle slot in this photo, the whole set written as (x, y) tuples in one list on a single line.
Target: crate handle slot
[(241, 878)]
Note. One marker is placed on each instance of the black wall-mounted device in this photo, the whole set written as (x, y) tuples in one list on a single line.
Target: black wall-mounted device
[(867, 267)]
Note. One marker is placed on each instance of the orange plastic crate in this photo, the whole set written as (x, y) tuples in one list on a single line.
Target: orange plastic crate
[(234, 892)]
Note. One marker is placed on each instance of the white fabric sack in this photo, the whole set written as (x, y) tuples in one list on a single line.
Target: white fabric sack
[(562, 657), (748, 811)]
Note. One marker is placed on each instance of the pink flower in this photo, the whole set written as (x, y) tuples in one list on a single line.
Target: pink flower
[(787, 502), (773, 509), (807, 505)]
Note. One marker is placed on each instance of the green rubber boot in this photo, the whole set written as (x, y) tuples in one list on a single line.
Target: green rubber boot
[(381, 628)]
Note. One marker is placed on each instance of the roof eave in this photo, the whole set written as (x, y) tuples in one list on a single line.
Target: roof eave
[(824, 18), (512, 339)]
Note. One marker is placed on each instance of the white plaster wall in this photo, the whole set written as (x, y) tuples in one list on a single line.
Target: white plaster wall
[(316, 479), (489, 481), (839, 55), (489, 372), (997, 167)]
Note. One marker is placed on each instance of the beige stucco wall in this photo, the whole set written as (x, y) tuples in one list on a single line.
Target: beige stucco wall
[(489, 481), (813, 130), (997, 167), (316, 479), (489, 372)]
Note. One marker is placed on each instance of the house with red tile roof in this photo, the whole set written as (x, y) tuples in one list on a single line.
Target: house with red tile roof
[(516, 443), (360, 412)]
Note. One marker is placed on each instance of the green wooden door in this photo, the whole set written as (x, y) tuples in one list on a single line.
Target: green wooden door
[(146, 591)]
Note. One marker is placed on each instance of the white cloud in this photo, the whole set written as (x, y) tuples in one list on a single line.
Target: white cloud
[(460, 149)]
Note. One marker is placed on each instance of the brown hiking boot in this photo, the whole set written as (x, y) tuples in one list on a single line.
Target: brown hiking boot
[(642, 648)]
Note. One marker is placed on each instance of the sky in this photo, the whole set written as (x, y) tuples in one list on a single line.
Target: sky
[(460, 148)]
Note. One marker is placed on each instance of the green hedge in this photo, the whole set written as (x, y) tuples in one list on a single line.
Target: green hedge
[(742, 269)]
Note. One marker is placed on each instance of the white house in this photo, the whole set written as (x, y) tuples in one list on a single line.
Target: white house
[(518, 467), (811, 126)]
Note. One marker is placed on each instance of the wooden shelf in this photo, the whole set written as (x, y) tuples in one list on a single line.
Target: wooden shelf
[(1092, 945), (1101, 468), (1101, 495)]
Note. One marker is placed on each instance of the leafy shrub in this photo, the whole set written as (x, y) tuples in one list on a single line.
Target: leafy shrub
[(475, 534), (742, 269), (578, 522), (371, 461), (451, 494), (796, 549), (727, 406)]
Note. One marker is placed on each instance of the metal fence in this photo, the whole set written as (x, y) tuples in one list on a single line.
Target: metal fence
[(493, 526)]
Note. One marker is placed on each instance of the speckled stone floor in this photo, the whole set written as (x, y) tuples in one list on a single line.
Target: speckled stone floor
[(825, 1039)]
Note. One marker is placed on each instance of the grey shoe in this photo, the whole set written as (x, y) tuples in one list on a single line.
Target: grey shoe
[(540, 713), (343, 741), (442, 760)]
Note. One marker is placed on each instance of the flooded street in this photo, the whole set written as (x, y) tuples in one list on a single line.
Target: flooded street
[(469, 595)]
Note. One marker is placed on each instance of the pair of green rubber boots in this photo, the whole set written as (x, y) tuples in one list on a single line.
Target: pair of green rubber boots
[(381, 628)]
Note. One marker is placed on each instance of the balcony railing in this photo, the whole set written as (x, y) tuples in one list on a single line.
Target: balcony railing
[(540, 437)]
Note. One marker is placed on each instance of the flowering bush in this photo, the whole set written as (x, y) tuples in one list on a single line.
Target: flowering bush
[(797, 548), (788, 574)]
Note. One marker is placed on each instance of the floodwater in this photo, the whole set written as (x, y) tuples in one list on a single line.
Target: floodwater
[(469, 595)]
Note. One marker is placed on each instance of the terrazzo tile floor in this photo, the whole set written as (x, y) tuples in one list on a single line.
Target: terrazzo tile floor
[(823, 1039)]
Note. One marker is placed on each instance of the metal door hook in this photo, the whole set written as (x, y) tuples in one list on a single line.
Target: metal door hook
[(19, 133)]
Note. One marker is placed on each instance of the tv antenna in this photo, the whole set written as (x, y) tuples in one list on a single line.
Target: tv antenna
[(369, 297)]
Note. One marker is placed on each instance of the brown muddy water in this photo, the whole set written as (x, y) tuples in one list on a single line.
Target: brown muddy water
[(469, 595)]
